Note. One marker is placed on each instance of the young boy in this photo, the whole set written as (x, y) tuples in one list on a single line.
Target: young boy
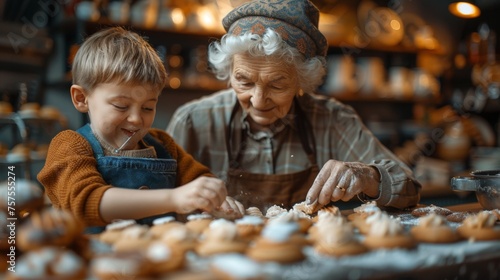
[(117, 166)]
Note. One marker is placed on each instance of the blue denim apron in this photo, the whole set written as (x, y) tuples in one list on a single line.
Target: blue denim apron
[(134, 173)]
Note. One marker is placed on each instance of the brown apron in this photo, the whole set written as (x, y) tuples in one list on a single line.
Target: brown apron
[(266, 190)]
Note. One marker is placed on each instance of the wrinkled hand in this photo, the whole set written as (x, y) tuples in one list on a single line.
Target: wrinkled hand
[(203, 193), (339, 180), (230, 209)]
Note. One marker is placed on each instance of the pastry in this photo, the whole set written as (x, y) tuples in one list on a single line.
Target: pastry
[(293, 216), (434, 228), (49, 227), (236, 267), (327, 211), (458, 217), (324, 218), (254, 211), (164, 259), (130, 265), (274, 211), (422, 211), (20, 152), (49, 263), (480, 227), (221, 237), (363, 221), (388, 233), (363, 210), (337, 239), (309, 209), (275, 245), (162, 225), (133, 238), (113, 231), (197, 223), (180, 238), (50, 112), (29, 197), (249, 227)]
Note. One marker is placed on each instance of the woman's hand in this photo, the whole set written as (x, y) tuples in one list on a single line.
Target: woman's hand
[(230, 209), (339, 180), (203, 193)]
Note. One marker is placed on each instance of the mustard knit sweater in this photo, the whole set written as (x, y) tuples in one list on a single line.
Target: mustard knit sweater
[(72, 181)]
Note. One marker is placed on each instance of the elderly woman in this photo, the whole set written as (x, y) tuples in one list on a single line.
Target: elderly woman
[(269, 135)]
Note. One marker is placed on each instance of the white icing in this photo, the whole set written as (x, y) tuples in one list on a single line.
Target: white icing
[(432, 220), (135, 231), (279, 232), (115, 265), (222, 230), (163, 220), (68, 264), (120, 224), (178, 234), (336, 234), (386, 226), (199, 216), (250, 220), (238, 266), (483, 219), (367, 207), (375, 216), (158, 252), (274, 211), (330, 220)]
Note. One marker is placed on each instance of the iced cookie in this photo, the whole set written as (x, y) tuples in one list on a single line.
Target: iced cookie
[(433, 228), (422, 211), (131, 265), (275, 245), (197, 223), (249, 227), (337, 239), (236, 267), (388, 233), (113, 230), (221, 237), (133, 239), (49, 263), (164, 258), (480, 227), (162, 225), (49, 227)]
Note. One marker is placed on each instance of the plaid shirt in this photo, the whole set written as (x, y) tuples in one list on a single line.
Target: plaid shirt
[(201, 128)]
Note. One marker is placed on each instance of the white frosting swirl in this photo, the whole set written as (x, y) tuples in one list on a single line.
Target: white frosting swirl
[(483, 219), (279, 232), (250, 220), (432, 220), (386, 226), (367, 207), (336, 234), (274, 210), (158, 252), (163, 220), (222, 230)]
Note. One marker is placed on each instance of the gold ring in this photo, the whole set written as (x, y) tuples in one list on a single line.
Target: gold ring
[(340, 188)]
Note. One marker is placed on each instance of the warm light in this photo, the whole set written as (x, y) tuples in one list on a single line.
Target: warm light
[(395, 24), (178, 17), (464, 9)]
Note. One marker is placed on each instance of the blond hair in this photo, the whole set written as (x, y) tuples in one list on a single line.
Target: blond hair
[(116, 55)]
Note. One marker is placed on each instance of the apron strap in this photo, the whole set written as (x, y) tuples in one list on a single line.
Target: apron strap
[(86, 132)]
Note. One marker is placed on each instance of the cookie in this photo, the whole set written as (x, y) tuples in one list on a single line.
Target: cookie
[(434, 228), (458, 217), (480, 227), (422, 211)]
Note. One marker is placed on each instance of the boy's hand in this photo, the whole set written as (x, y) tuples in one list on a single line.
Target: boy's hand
[(230, 209), (203, 193)]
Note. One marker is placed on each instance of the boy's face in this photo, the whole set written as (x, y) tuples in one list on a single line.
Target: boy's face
[(118, 111)]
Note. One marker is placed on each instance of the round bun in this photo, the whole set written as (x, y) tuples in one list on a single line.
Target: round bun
[(422, 211)]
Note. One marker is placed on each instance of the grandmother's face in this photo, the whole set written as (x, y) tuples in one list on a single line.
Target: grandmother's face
[(265, 87)]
